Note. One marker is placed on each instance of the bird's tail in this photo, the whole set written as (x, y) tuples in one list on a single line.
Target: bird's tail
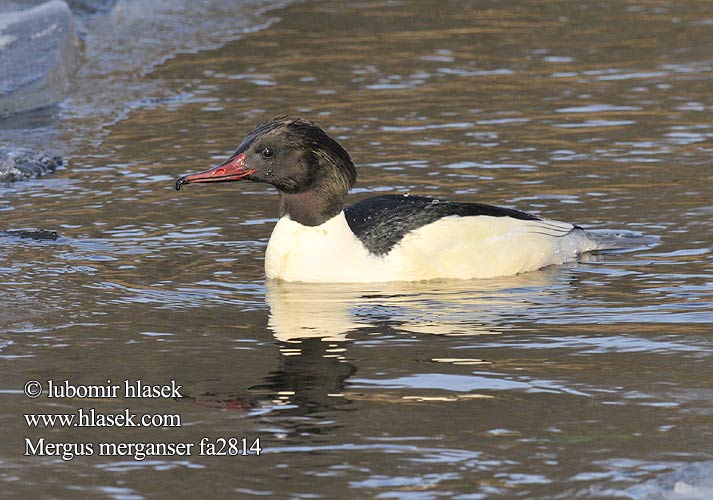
[(624, 241)]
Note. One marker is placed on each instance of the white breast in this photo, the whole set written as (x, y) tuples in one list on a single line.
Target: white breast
[(452, 247)]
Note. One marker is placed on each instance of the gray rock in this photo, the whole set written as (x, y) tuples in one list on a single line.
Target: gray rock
[(38, 54), (24, 163), (32, 234), (690, 482)]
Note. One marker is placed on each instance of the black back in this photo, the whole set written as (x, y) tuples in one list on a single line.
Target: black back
[(380, 222)]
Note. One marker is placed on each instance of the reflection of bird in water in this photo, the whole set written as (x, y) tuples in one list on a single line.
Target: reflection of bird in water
[(312, 380), (448, 307), (312, 324), (301, 385)]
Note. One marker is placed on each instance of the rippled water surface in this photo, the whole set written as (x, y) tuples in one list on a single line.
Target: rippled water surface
[(593, 380)]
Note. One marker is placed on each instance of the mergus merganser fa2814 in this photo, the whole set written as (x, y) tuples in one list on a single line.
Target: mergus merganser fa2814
[(384, 238)]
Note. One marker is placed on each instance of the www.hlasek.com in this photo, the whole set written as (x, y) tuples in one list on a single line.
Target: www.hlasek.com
[(205, 446), (92, 418)]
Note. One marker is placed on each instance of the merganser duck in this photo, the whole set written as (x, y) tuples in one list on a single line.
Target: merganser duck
[(383, 238)]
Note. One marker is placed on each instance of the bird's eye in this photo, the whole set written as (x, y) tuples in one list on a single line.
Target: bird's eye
[(267, 153)]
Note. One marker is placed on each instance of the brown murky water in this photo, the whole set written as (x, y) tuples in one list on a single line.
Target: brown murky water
[(593, 380)]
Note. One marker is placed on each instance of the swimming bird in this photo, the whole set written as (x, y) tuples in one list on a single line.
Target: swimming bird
[(382, 238)]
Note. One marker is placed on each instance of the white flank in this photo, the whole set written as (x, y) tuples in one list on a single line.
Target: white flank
[(452, 247)]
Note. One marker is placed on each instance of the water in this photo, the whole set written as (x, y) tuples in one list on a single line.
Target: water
[(591, 380)]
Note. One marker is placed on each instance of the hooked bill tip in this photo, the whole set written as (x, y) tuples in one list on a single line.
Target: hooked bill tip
[(179, 182)]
